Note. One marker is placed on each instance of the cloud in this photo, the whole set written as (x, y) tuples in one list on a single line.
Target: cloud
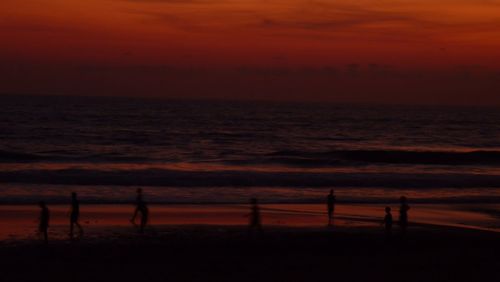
[(335, 16), (167, 1), (43, 27), (391, 21)]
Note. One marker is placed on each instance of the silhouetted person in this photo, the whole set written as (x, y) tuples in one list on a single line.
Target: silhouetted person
[(44, 221), (142, 208), (138, 203), (74, 216), (330, 202), (388, 222), (403, 215), (255, 219)]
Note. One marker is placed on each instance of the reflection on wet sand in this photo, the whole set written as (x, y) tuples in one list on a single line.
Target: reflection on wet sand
[(20, 222)]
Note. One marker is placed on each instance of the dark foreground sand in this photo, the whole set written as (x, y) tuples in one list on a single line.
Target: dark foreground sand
[(228, 253)]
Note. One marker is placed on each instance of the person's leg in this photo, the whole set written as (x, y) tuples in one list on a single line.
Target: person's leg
[(143, 224), (331, 216), (136, 211), (45, 236), (80, 229), (71, 227), (143, 218), (74, 223)]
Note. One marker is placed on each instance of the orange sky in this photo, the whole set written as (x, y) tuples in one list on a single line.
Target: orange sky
[(409, 51)]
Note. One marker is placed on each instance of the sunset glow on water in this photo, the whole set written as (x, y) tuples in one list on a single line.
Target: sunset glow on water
[(227, 152)]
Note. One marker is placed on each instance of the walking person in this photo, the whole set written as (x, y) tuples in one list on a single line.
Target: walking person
[(331, 199), (255, 217), (74, 217), (142, 208), (403, 215), (388, 222), (44, 221), (138, 204)]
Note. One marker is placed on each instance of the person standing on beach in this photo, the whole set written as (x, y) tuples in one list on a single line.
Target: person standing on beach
[(74, 216), (142, 208), (44, 221), (403, 215), (144, 216), (255, 219), (138, 204), (388, 222), (331, 199)]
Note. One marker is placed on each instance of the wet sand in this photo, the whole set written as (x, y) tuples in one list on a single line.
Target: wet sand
[(18, 223)]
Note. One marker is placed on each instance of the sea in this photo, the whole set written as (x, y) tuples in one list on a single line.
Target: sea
[(198, 151)]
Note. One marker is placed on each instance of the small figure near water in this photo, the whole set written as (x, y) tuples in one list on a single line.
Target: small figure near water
[(388, 222), (330, 201), (74, 216), (142, 208), (403, 215), (144, 216), (138, 202), (255, 218), (44, 221)]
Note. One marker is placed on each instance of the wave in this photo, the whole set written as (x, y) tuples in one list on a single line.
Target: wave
[(285, 157), (158, 200), (16, 156), (177, 178), (343, 157), (29, 194), (60, 156)]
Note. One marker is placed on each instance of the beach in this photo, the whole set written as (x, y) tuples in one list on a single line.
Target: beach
[(19, 222), (280, 253), (215, 140), (199, 163), (213, 243)]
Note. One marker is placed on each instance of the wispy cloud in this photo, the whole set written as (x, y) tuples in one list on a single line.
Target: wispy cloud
[(168, 1), (385, 19), (14, 25)]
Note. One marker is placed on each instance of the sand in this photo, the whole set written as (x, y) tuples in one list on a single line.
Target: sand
[(212, 243), (229, 253), (18, 223)]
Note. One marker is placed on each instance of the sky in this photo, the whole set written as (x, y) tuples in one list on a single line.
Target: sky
[(387, 51)]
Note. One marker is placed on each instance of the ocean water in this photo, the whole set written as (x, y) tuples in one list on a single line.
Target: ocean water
[(227, 152)]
